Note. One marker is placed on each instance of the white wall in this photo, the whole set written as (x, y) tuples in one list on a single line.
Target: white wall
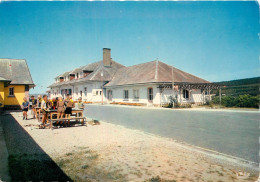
[(195, 96), (77, 87), (143, 94)]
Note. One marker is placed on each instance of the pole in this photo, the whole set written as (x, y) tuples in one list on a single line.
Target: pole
[(102, 85), (172, 88), (220, 95)]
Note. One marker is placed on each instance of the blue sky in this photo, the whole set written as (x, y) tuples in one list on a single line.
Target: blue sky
[(213, 40)]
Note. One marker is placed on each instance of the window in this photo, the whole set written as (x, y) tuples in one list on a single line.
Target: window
[(100, 92), (80, 92), (77, 75), (150, 94), (69, 90), (125, 94), (136, 94), (186, 94), (11, 91), (26, 87), (96, 92)]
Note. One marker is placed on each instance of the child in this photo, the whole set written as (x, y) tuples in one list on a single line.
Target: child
[(34, 105), (60, 107), (39, 101), (25, 106), (69, 105), (44, 107), (80, 104)]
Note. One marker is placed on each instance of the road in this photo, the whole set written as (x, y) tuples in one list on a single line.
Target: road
[(228, 132)]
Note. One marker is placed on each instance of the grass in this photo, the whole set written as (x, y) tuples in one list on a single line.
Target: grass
[(83, 166)]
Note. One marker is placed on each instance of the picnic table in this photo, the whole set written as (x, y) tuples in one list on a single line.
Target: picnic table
[(53, 112)]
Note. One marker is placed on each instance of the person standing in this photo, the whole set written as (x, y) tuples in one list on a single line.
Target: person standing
[(44, 108), (25, 106), (80, 103), (61, 108), (34, 105), (80, 106), (39, 101)]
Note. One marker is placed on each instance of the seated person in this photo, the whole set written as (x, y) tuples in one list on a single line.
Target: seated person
[(69, 105), (53, 103)]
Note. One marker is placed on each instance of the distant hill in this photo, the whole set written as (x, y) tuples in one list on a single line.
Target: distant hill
[(240, 87)]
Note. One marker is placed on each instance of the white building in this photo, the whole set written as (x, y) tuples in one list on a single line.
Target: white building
[(148, 83), (87, 81)]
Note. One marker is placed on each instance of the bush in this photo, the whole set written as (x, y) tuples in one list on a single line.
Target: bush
[(239, 101)]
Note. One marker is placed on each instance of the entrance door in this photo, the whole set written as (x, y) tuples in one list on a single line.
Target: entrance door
[(150, 95), (109, 95)]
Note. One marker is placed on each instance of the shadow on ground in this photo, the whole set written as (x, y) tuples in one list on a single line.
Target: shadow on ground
[(27, 160)]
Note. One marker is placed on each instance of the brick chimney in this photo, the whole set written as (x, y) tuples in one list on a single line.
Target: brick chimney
[(107, 61)]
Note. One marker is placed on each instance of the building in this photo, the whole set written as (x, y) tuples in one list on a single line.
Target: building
[(86, 81), (148, 83), (15, 82)]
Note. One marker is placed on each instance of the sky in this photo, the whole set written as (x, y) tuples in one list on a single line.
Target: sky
[(216, 41)]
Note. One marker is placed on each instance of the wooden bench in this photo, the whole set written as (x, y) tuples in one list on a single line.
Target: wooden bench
[(82, 120)]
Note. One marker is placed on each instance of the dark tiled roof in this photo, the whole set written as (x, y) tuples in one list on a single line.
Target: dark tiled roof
[(92, 66), (77, 70), (15, 70), (89, 67), (96, 68), (152, 72)]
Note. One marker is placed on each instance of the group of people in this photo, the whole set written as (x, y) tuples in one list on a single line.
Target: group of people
[(63, 106)]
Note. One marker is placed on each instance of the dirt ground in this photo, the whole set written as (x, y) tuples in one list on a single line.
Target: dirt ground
[(109, 152)]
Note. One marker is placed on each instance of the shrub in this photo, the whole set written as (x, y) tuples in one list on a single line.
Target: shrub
[(238, 101)]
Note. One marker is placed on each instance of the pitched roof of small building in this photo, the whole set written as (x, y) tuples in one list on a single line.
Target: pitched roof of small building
[(4, 79), (152, 72), (15, 70)]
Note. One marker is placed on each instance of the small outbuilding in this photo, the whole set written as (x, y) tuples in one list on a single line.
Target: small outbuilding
[(15, 82)]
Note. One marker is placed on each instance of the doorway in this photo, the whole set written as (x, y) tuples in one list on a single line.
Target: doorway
[(150, 95)]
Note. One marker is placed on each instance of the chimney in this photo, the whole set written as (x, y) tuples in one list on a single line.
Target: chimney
[(107, 57)]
